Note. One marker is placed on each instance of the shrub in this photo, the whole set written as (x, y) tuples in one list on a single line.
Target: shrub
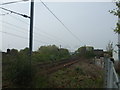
[(20, 71)]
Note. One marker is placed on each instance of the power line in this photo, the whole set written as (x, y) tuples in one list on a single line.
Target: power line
[(13, 34), (36, 29), (13, 2), (50, 36), (60, 21), (12, 24), (19, 19), (25, 30), (23, 15), (21, 36), (13, 28), (18, 27)]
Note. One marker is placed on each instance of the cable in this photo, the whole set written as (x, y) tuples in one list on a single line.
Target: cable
[(54, 37), (13, 34), (13, 28), (22, 29), (12, 24), (37, 28), (3, 14), (25, 30), (23, 15), (60, 21), (19, 19), (13, 2), (21, 36)]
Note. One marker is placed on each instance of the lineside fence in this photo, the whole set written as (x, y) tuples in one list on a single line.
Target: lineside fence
[(111, 77)]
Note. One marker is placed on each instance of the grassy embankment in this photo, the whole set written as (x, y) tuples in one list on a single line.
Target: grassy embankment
[(80, 75), (16, 70)]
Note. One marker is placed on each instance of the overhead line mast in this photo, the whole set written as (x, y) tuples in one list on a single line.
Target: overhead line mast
[(31, 27)]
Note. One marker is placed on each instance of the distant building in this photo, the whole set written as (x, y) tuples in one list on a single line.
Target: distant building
[(98, 53)]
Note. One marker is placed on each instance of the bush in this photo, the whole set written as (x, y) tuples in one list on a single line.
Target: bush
[(50, 53), (85, 51), (20, 71), (17, 68)]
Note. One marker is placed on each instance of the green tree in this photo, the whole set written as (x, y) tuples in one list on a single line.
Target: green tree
[(51, 53), (63, 53), (85, 51), (116, 12), (14, 52), (24, 51)]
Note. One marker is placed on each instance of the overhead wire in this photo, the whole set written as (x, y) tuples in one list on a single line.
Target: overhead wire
[(37, 28), (28, 16), (13, 2), (23, 15), (60, 21), (21, 36), (52, 36), (23, 29), (18, 27), (12, 24), (13, 34), (21, 20), (14, 28)]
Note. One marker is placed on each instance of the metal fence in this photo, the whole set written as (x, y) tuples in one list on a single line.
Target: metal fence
[(111, 77)]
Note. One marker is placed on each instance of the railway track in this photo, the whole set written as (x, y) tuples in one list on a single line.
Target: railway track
[(50, 68), (58, 67), (51, 64)]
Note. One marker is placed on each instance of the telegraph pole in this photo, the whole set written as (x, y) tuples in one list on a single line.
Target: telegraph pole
[(31, 36), (31, 28)]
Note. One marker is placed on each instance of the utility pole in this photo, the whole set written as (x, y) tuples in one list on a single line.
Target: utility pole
[(31, 36), (31, 28)]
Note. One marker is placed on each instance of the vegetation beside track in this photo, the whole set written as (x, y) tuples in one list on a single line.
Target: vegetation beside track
[(17, 69), (79, 75)]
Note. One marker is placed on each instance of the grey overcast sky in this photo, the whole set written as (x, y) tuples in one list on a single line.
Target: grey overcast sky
[(89, 21)]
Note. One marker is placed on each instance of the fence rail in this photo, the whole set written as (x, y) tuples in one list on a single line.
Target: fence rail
[(111, 77)]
